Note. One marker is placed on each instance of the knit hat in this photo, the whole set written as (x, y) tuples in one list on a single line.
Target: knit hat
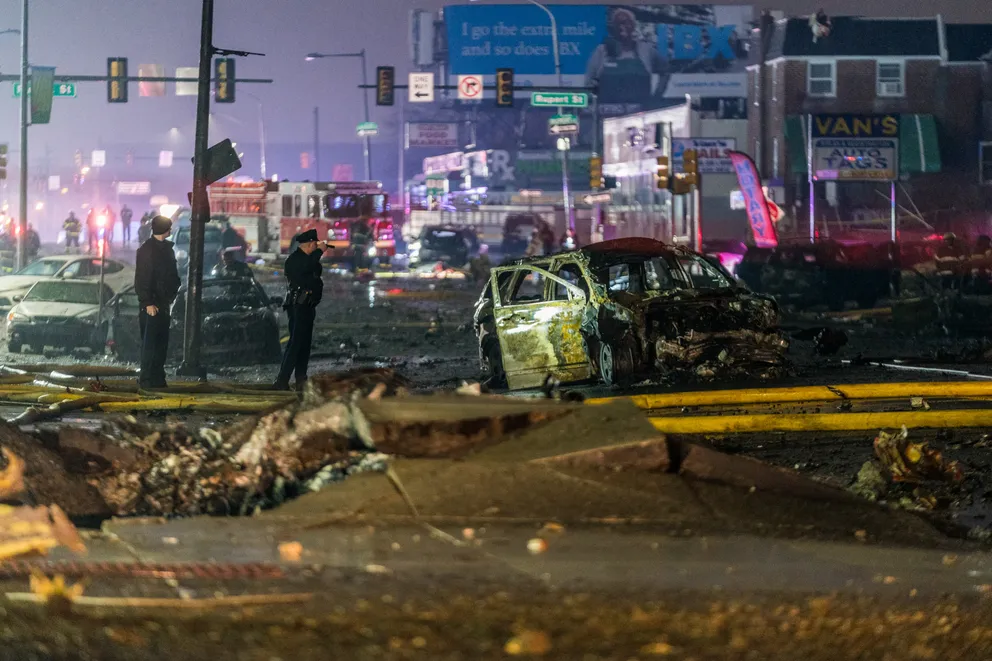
[(161, 225)]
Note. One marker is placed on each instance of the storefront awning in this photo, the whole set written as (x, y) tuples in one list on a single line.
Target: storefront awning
[(919, 150)]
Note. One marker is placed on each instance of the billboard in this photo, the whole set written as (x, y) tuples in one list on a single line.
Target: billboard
[(637, 55), (713, 154), (856, 147)]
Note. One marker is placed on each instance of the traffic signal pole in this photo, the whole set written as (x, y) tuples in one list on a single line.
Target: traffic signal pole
[(22, 208), (201, 207)]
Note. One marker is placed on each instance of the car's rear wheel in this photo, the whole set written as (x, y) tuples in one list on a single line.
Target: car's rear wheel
[(14, 347)]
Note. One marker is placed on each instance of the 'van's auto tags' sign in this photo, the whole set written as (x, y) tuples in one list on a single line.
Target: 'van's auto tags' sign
[(856, 147)]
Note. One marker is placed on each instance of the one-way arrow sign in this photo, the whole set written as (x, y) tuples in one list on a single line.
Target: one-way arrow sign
[(421, 87)]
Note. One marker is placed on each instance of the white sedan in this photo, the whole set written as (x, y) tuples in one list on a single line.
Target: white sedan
[(116, 275), (59, 313)]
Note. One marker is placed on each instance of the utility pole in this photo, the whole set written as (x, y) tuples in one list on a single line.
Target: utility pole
[(22, 212), (201, 207)]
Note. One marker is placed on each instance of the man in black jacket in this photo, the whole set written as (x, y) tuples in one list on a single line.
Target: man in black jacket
[(156, 282), (305, 291)]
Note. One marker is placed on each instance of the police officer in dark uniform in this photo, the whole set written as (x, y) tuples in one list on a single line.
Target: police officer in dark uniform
[(306, 288), (156, 282)]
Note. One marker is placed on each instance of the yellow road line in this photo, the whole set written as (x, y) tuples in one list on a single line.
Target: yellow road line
[(739, 424), (807, 394)]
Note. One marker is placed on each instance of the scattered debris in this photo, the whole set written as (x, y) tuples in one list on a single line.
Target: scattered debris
[(57, 596), (35, 530), (290, 551), (861, 535), (870, 483), (537, 546), (919, 403), (528, 643), (913, 462), (12, 476)]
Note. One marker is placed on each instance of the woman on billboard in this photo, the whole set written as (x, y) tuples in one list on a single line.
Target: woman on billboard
[(623, 66)]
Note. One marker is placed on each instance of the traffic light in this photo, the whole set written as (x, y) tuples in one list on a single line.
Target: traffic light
[(690, 166), (3, 161), (662, 177), (117, 85), (305, 160), (385, 93), (78, 159), (595, 172), (224, 80), (504, 88)]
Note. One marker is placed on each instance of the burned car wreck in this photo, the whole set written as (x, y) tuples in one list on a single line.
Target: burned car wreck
[(622, 310)]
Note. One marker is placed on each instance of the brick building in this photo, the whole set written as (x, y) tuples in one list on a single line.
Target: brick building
[(929, 73)]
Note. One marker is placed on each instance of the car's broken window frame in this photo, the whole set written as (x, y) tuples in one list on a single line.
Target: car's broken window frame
[(515, 270)]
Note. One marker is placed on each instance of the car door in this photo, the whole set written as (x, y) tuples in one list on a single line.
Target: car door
[(538, 331), (124, 325)]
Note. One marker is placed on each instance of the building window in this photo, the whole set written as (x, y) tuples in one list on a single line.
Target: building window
[(891, 79), (757, 86), (822, 79), (775, 82)]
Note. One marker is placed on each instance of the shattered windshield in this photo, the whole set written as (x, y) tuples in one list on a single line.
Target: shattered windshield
[(64, 292), (229, 296), (702, 274)]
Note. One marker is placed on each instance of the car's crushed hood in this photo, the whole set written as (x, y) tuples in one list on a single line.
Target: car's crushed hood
[(729, 332)]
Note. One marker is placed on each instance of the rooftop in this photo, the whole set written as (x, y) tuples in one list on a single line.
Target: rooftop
[(852, 36)]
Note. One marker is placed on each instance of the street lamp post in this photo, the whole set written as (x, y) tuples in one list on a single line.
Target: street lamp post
[(566, 198), (261, 131), (366, 147), (565, 145)]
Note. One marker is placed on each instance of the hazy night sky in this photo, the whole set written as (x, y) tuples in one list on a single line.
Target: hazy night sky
[(78, 36)]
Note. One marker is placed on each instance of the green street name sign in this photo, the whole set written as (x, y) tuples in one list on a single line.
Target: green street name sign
[(562, 124), (564, 99), (58, 89), (367, 129)]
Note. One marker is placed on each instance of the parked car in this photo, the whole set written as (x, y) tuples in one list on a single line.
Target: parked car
[(518, 230), (64, 314), (826, 272), (240, 323), (116, 275), (621, 309), (452, 246), (212, 245)]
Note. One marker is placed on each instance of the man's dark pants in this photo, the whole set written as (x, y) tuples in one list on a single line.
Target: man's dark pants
[(154, 348), (297, 355)]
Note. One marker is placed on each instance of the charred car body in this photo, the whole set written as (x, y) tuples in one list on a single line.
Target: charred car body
[(619, 310), (240, 323)]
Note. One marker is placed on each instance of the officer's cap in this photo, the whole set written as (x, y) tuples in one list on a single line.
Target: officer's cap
[(306, 237)]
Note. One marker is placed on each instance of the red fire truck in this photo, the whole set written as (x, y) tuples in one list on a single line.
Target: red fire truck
[(270, 214)]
